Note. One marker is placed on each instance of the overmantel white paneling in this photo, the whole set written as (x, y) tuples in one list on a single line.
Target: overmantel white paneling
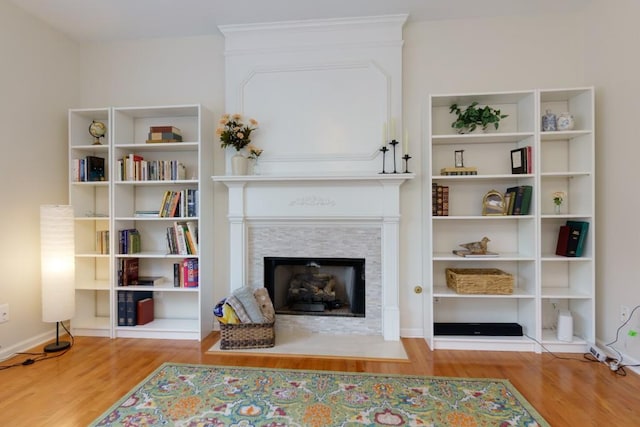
[(328, 200), (321, 90)]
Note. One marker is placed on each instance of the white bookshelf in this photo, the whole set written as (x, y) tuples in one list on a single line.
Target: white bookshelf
[(543, 281), (179, 312)]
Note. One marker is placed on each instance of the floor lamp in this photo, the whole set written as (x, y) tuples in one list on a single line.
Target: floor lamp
[(57, 257)]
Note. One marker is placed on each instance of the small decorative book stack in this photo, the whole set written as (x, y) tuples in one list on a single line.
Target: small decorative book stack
[(164, 134)]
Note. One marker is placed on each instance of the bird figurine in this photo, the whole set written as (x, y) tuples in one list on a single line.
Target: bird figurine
[(477, 247)]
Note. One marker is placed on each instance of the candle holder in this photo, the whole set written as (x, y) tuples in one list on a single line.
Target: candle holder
[(384, 150), (394, 143), (406, 158)]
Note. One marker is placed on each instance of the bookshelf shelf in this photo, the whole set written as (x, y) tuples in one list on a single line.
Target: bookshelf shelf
[(561, 161)]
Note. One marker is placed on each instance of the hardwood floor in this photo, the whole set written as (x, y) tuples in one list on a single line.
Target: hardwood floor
[(75, 388)]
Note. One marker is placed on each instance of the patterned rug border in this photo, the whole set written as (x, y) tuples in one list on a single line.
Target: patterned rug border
[(507, 384)]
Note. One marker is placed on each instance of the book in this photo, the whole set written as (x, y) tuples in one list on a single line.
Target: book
[(468, 254), (572, 241), (147, 281), (470, 170), (161, 136), (130, 269), (165, 129), (122, 308), (445, 200), (519, 161), (144, 313), (190, 272), (154, 141), (176, 275), (563, 240), (439, 200), (512, 191), (95, 168), (529, 159), (526, 199), (583, 228), (131, 304)]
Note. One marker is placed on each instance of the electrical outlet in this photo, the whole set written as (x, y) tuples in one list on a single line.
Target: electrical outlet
[(4, 313), (624, 313)]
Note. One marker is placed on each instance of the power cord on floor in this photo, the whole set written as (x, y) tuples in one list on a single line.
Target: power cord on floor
[(586, 356), (616, 365), (37, 357)]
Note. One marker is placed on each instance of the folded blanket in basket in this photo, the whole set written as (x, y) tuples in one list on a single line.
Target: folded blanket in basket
[(245, 305), (249, 303), (225, 313)]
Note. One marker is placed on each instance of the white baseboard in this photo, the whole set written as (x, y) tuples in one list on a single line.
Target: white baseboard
[(7, 352)]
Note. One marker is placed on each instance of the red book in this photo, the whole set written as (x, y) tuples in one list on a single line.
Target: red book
[(144, 312), (563, 240)]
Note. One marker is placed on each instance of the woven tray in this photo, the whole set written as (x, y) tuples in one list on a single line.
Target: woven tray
[(479, 281), (247, 335)]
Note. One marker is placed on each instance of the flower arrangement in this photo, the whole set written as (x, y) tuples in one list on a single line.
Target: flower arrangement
[(254, 152), (558, 197), (233, 132)]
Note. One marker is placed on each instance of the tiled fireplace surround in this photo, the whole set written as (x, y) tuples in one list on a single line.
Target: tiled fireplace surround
[(355, 216)]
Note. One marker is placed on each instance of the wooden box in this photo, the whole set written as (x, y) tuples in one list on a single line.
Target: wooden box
[(491, 281)]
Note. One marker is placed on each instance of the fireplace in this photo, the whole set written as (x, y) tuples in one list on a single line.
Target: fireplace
[(316, 286)]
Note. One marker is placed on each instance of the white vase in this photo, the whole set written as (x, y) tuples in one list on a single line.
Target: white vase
[(239, 164), (565, 121), (256, 167)]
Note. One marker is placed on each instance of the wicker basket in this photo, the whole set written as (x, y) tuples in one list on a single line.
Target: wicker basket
[(479, 281), (247, 335)]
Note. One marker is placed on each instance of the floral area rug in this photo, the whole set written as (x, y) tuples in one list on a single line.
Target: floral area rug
[(216, 396)]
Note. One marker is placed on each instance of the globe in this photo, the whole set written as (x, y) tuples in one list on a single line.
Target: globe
[(97, 130)]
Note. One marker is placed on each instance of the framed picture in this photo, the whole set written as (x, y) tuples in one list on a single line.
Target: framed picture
[(459, 161), (493, 203)]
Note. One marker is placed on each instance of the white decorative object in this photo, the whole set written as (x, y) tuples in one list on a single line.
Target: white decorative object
[(565, 121), (549, 122), (239, 164)]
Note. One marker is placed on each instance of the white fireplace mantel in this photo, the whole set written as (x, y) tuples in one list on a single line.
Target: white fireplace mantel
[(371, 199)]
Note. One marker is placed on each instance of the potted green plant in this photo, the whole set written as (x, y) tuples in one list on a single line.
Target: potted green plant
[(473, 116)]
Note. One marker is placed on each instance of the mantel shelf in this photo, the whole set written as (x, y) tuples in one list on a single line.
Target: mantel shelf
[(388, 177)]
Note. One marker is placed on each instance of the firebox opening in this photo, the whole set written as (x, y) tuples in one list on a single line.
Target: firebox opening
[(316, 286)]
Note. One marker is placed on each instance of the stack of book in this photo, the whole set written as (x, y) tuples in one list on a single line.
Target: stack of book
[(439, 200), (164, 134), (91, 168), (135, 307), (471, 170), (135, 168), (129, 241), (181, 203), (571, 238), (182, 238), (186, 273), (102, 242), (517, 200)]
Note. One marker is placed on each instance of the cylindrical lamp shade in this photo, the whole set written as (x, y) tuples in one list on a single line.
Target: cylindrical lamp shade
[(57, 262)]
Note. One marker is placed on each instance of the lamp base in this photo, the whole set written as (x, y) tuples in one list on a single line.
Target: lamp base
[(57, 346)]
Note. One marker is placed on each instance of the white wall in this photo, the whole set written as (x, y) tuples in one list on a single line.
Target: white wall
[(613, 65), (596, 47), (38, 83)]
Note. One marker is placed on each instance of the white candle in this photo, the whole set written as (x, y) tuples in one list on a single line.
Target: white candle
[(405, 142), (384, 134), (393, 128)]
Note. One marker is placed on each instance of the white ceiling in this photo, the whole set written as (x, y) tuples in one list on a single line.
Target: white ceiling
[(110, 20)]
